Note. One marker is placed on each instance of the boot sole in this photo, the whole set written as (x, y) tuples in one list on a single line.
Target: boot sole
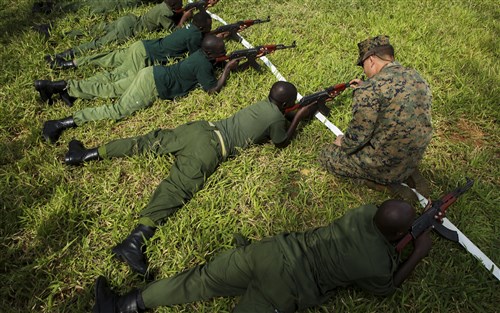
[(66, 98)]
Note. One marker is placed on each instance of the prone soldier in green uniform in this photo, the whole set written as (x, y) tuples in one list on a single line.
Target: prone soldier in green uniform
[(291, 271), (161, 16), (166, 15), (390, 127), (143, 53), (95, 6), (199, 147), (127, 63), (139, 91)]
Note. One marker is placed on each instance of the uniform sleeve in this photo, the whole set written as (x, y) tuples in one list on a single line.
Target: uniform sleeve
[(206, 77), (194, 44), (366, 104), (277, 131)]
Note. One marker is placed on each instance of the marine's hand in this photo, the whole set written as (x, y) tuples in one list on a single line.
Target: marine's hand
[(338, 140), (355, 83)]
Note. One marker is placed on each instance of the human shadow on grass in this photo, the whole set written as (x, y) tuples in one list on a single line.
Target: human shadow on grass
[(18, 18), (43, 271)]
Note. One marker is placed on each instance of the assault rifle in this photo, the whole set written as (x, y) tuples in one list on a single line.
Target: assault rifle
[(320, 97), (433, 217), (253, 53), (199, 5), (234, 28)]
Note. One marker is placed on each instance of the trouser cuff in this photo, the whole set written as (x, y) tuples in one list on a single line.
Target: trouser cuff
[(147, 221)]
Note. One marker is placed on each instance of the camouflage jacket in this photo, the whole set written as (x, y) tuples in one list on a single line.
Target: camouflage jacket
[(391, 123)]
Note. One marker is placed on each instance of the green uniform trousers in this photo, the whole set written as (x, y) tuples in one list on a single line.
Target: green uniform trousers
[(128, 26), (256, 272), (118, 31), (197, 154), (96, 6), (124, 62), (137, 92)]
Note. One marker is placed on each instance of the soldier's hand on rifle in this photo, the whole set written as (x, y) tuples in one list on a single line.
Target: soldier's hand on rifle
[(306, 111), (422, 244), (222, 35), (186, 15), (211, 3), (232, 65)]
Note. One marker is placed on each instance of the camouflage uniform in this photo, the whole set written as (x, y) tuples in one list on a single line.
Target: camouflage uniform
[(389, 131)]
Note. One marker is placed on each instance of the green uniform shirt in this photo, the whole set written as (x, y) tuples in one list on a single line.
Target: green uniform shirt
[(174, 45), (178, 79), (253, 125), (160, 15), (349, 251)]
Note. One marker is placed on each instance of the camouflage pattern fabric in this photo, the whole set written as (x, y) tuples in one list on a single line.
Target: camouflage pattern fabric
[(370, 47), (389, 131)]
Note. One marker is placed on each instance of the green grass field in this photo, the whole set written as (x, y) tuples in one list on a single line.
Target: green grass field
[(58, 224)]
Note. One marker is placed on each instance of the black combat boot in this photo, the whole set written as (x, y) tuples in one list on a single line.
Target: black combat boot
[(131, 250), (45, 7), (43, 29), (106, 301), (61, 63), (47, 88), (77, 154), (67, 54), (53, 129)]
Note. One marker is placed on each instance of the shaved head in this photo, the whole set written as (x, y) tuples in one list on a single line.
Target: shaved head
[(394, 218), (213, 46), (283, 94), (203, 21)]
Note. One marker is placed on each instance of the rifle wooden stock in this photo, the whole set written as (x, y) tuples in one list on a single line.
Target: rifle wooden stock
[(253, 53), (238, 26), (433, 217), (324, 95)]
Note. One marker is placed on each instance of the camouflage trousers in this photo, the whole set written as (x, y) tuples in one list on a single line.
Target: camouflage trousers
[(354, 166)]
